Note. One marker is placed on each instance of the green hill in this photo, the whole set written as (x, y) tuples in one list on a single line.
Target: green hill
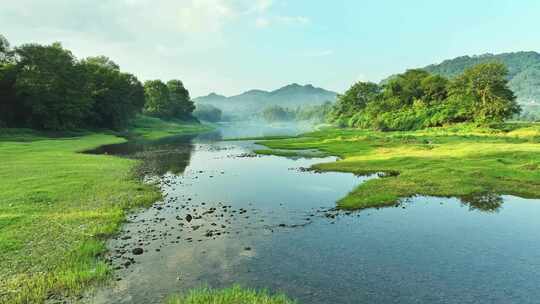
[(523, 67), (254, 101)]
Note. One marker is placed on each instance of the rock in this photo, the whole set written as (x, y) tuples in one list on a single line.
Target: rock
[(247, 248), (189, 217), (137, 251)]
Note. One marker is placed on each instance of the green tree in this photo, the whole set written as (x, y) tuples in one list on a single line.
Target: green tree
[(117, 97), (52, 87), (157, 99), (181, 104), (354, 99), (434, 88), (9, 103), (6, 54), (487, 85), (406, 87)]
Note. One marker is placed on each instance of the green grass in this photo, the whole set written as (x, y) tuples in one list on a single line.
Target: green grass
[(233, 295), (461, 160), (154, 128), (57, 206), (291, 153)]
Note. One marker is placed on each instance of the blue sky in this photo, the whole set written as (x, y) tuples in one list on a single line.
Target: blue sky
[(229, 46)]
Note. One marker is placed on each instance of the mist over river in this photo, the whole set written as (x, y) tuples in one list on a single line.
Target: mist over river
[(230, 216)]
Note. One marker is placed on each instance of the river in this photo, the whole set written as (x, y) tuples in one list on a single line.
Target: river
[(229, 216)]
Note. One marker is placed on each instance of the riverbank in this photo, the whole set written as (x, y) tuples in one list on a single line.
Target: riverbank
[(461, 160), (58, 206)]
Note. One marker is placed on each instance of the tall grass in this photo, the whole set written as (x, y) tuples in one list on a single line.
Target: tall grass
[(233, 295)]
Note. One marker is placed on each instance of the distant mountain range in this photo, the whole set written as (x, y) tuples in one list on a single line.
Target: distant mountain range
[(290, 96), (523, 67)]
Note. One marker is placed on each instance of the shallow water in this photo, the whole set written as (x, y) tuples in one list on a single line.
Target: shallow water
[(267, 223)]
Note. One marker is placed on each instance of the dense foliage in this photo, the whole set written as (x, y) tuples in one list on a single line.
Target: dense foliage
[(169, 100), (417, 99), (313, 113), (47, 87)]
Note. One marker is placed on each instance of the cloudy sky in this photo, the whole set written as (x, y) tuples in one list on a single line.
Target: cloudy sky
[(228, 46)]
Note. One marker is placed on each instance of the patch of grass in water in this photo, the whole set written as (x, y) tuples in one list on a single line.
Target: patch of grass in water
[(460, 160), (291, 153), (233, 295)]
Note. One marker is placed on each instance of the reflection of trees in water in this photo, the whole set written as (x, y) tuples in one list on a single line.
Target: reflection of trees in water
[(164, 160), (485, 202), (171, 154), (210, 136)]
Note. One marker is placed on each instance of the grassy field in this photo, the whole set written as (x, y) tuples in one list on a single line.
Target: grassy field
[(233, 295), (57, 206), (462, 160)]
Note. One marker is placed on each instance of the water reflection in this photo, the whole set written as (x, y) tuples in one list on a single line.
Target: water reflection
[(486, 202), (167, 155)]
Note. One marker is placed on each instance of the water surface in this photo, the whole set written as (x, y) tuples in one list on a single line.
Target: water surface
[(265, 222)]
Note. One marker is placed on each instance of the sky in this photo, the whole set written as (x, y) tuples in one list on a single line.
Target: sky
[(230, 46)]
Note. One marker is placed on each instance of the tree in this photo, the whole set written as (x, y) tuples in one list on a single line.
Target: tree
[(434, 88), (8, 74), (6, 54), (117, 97), (487, 85), (181, 104), (355, 99), (277, 113), (406, 87), (52, 87), (157, 99), (102, 61)]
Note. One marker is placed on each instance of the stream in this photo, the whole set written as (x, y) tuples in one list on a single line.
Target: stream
[(229, 216)]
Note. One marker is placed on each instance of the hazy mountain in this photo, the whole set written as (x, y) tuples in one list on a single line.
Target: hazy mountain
[(290, 96), (523, 67)]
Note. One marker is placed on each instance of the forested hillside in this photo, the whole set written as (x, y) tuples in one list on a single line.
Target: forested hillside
[(523, 71)]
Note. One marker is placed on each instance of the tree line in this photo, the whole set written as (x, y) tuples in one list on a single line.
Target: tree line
[(418, 99), (312, 113), (47, 87)]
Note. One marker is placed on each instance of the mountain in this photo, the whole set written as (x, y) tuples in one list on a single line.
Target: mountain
[(253, 101), (523, 68)]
